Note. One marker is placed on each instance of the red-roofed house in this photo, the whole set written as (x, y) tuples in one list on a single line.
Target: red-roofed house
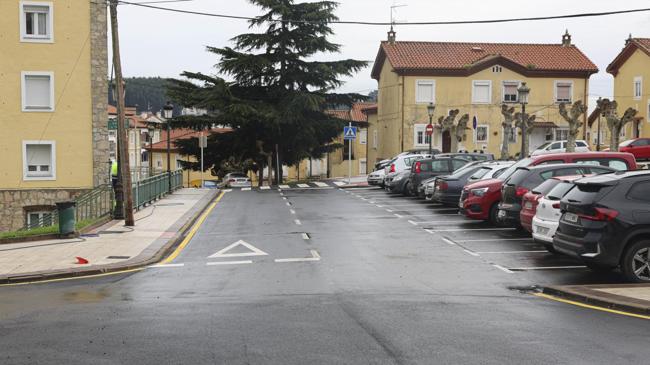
[(475, 78)]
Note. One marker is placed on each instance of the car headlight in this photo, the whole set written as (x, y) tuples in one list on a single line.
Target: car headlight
[(479, 192), (398, 177)]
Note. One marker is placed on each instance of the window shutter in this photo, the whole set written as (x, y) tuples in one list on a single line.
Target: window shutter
[(425, 92), (37, 91), (564, 92), (481, 92)]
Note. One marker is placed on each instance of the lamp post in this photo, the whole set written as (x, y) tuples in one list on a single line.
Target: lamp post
[(522, 94), (431, 108), (168, 111), (151, 130), (601, 113)]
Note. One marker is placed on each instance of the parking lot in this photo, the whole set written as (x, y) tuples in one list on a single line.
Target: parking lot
[(510, 250)]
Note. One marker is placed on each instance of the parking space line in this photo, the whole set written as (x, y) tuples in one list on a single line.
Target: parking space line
[(246, 189), (547, 268), (320, 184), (448, 241), (284, 198), (389, 211), (302, 185), (292, 211), (471, 252), (265, 188), (450, 221), (503, 269), (413, 223), (508, 252), (288, 204), (285, 187), (397, 215), (314, 257), (499, 239), (297, 221), (339, 183), (229, 263), (473, 229)]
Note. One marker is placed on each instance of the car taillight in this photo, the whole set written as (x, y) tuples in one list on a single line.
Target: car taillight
[(418, 169), (231, 180), (602, 215), (521, 191), (556, 205), (443, 185), (392, 167)]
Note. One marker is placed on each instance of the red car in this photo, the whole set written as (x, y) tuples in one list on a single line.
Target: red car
[(639, 147), (531, 199), (480, 200)]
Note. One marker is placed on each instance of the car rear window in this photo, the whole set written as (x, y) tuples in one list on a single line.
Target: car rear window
[(521, 163), (615, 163), (584, 193), (518, 177), (439, 165), (480, 173), (546, 186), (640, 191), (559, 190)]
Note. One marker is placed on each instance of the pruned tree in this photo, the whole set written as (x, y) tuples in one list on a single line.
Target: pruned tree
[(614, 123), (527, 122), (508, 117), (456, 128), (572, 117)]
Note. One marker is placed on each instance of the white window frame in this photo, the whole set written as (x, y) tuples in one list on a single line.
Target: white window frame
[(420, 128), (26, 173), (363, 136), (503, 91), (637, 80), (555, 133), (481, 83), (418, 99), (375, 139), (487, 133), (555, 83), (26, 108), (24, 37), (41, 214)]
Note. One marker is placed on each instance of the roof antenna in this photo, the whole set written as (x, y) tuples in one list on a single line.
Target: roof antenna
[(391, 33)]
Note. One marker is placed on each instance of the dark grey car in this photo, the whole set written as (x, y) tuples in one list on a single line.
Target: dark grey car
[(427, 168), (448, 188)]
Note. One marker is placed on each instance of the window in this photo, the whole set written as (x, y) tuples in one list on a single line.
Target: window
[(457, 164), (179, 164), (38, 91), (481, 92), (36, 21), (563, 91), (420, 138), (425, 92), (640, 191), (375, 138), (363, 136), (481, 134), (638, 87), (39, 160), (561, 134), (555, 146), (548, 135), (39, 219), (581, 144), (439, 165), (497, 69), (614, 163), (510, 91)]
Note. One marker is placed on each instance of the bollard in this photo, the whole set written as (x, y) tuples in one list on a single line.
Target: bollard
[(67, 217)]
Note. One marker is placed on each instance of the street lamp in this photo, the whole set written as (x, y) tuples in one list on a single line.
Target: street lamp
[(431, 108), (600, 113), (151, 130), (522, 95), (168, 111)]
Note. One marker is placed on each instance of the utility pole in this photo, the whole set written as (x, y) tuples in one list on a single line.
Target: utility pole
[(126, 192)]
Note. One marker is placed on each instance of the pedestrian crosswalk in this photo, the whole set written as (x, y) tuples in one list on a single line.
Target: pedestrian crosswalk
[(331, 184)]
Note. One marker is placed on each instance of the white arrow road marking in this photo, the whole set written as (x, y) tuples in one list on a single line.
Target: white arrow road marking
[(229, 263), (314, 257), (254, 251)]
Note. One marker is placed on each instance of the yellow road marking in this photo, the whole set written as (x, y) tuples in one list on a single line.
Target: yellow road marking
[(602, 309), (169, 258)]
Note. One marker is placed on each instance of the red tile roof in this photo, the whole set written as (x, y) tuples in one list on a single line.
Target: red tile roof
[(467, 58), (354, 114), (631, 45), (180, 134)]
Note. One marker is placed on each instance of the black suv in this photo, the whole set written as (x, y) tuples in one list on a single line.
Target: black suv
[(525, 179), (606, 223)]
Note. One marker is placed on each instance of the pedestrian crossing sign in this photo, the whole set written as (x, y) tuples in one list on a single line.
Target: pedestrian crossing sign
[(349, 132)]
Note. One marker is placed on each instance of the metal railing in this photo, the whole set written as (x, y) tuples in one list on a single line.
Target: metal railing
[(153, 188), (94, 204)]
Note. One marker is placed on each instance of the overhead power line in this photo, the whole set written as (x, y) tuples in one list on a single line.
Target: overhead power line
[(450, 22)]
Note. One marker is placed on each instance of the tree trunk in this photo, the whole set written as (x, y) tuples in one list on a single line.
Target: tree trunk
[(269, 158), (615, 135), (505, 154), (571, 138), (260, 172)]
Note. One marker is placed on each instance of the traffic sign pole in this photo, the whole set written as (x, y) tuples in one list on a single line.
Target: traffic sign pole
[(350, 156)]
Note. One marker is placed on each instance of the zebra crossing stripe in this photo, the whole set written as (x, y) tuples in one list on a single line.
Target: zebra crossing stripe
[(339, 183), (285, 187), (321, 184), (246, 189), (303, 185), (265, 188)]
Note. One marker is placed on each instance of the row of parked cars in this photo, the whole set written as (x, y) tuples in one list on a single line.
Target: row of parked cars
[(593, 206)]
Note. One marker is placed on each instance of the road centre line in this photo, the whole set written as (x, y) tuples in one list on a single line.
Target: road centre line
[(547, 268), (314, 257), (229, 263), (503, 269), (508, 252), (165, 265)]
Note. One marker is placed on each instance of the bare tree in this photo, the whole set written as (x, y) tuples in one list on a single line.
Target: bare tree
[(508, 116), (455, 128), (614, 123), (573, 118), (527, 120)]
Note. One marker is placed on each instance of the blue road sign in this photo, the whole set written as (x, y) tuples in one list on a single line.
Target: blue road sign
[(349, 132)]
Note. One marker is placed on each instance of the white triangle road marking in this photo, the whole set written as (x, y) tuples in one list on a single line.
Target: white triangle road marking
[(254, 251)]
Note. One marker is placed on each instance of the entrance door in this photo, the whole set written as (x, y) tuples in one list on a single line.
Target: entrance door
[(637, 127), (363, 166), (446, 142)]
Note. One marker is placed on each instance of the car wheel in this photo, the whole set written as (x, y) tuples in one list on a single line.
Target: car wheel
[(494, 211), (547, 245), (636, 262), (407, 189)]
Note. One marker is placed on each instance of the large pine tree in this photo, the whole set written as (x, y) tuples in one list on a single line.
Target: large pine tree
[(279, 90)]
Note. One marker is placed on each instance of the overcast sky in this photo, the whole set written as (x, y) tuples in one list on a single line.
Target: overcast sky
[(159, 43)]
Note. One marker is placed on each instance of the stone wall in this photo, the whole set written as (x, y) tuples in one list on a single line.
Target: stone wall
[(99, 90), (14, 202)]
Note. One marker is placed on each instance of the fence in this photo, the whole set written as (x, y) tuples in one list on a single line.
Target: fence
[(152, 188)]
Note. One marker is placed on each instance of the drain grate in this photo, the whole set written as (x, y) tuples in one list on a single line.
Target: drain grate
[(526, 289), (118, 257)]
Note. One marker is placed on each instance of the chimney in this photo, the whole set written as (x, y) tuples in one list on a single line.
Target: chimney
[(629, 39), (566, 39), (391, 35)]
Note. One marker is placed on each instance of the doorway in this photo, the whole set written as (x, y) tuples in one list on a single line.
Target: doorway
[(446, 142)]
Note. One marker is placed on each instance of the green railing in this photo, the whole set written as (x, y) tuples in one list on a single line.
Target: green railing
[(94, 204), (153, 188)]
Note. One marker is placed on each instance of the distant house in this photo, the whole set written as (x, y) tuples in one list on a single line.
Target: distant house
[(476, 78), (338, 161)]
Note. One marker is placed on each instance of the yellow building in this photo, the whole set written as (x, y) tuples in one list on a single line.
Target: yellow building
[(53, 94), (338, 162), (631, 70), (476, 78)]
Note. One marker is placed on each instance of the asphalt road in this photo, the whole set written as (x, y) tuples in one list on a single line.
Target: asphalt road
[(326, 276)]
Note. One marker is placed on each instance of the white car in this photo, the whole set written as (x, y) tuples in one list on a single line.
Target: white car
[(235, 180), (560, 147), (402, 162), (489, 170), (547, 215)]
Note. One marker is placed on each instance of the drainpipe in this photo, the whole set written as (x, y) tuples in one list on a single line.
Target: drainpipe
[(584, 116), (402, 106)]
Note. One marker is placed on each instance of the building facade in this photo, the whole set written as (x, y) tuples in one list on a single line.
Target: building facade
[(53, 89), (338, 162), (475, 78)]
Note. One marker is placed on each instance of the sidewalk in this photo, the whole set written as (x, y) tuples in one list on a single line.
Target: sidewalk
[(354, 182), (634, 298), (110, 247)]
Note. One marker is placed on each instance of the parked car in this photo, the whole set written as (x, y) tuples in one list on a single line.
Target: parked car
[(377, 176), (526, 178), (447, 189), (235, 180), (489, 170), (639, 147), (605, 223), (402, 162), (396, 181), (547, 214), (424, 169), (559, 147), (530, 200), (468, 156), (480, 200)]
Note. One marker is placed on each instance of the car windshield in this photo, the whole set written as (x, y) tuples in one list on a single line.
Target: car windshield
[(546, 186), (543, 146), (559, 191), (506, 174), (625, 143), (237, 175)]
